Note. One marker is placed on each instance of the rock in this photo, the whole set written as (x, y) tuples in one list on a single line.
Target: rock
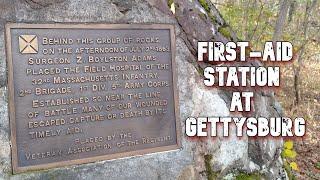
[(38, 4), (3, 71), (192, 23), (187, 174)]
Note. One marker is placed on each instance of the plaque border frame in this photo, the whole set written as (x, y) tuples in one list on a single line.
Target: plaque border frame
[(14, 152)]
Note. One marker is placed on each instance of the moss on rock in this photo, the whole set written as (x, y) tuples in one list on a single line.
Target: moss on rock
[(211, 175), (245, 176), (205, 5), (225, 31), (170, 2)]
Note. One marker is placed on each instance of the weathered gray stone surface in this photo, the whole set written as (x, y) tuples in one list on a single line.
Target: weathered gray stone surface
[(229, 156)]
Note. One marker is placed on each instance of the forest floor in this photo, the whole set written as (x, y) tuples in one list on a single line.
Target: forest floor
[(308, 147)]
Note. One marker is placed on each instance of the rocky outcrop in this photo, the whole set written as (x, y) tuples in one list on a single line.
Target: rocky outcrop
[(201, 159)]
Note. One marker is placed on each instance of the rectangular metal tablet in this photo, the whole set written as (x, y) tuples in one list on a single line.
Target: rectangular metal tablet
[(80, 93)]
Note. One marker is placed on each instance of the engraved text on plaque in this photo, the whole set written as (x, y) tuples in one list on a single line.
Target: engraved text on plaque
[(85, 92)]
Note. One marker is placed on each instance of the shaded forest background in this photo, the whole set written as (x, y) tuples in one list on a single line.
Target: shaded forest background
[(297, 21)]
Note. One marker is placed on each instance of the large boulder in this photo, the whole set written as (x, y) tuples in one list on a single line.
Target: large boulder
[(198, 159)]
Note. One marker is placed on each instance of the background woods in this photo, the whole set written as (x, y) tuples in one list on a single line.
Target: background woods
[(297, 21)]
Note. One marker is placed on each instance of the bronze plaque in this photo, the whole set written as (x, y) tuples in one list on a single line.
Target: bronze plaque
[(81, 93)]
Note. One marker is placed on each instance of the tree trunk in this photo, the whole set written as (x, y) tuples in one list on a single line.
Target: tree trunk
[(305, 25), (281, 19)]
